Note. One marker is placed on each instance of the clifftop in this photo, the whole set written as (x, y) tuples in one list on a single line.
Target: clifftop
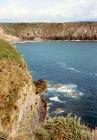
[(19, 104), (52, 31), (9, 52), (7, 36)]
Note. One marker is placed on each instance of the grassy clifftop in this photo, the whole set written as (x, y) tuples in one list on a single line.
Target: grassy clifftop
[(15, 85), (9, 52), (21, 110)]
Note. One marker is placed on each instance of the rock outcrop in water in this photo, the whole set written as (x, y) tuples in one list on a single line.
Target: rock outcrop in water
[(53, 31), (40, 85)]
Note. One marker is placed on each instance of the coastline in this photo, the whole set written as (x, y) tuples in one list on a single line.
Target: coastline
[(31, 41), (25, 41)]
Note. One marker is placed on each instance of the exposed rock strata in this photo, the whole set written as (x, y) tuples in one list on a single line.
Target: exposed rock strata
[(53, 31), (8, 37)]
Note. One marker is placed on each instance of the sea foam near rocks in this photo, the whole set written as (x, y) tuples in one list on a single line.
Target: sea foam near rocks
[(56, 99), (70, 90)]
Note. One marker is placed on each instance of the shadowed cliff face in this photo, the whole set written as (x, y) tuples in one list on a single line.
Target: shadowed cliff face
[(40, 85), (53, 31), (21, 110)]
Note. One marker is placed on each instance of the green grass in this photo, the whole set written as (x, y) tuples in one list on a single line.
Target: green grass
[(9, 52)]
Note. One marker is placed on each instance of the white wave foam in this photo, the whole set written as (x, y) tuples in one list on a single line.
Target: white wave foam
[(92, 74), (56, 99), (73, 69), (49, 104), (63, 64), (80, 93), (70, 90)]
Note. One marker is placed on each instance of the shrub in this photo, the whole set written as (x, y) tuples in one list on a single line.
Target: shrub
[(63, 128)]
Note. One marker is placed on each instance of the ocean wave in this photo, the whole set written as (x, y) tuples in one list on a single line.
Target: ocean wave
[(56, 99), (96, 74), (73, 69), (63, 64), (70, 90), (93, 74)]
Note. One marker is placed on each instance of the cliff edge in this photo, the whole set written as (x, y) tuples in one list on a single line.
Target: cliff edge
[(52, 31), (21, 110)]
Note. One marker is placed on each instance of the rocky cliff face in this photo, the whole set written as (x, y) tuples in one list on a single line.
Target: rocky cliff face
[(21, 109), (8, 37), (53, 31)]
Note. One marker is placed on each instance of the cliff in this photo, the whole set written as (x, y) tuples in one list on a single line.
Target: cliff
[(21, 110), (52, 31), (8, 37)]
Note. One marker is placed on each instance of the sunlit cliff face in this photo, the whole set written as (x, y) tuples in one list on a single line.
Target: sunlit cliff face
[(20, 108)]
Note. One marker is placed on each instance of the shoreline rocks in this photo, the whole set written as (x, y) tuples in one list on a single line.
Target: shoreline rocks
[(41, 86)]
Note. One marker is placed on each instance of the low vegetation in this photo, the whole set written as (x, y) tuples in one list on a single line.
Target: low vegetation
[(60, 128), (13, 76), (9, 52), (63, 128)]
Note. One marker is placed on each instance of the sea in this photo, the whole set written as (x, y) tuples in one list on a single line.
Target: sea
[(70, 69)]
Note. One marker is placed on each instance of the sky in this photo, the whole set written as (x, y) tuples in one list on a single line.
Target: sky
[(48, 10)]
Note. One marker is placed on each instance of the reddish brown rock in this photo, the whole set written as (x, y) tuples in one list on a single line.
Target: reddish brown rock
[(41, 86)]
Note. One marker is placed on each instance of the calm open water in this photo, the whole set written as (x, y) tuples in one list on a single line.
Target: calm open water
[(70, 68)]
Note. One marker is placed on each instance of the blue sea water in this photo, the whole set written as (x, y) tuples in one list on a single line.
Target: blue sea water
[(70, 67)]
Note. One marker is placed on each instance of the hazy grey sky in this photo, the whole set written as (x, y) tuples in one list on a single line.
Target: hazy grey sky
[(47, 10)]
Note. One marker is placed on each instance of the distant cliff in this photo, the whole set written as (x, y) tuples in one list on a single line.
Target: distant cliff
[(52, 31), (7, 36)]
